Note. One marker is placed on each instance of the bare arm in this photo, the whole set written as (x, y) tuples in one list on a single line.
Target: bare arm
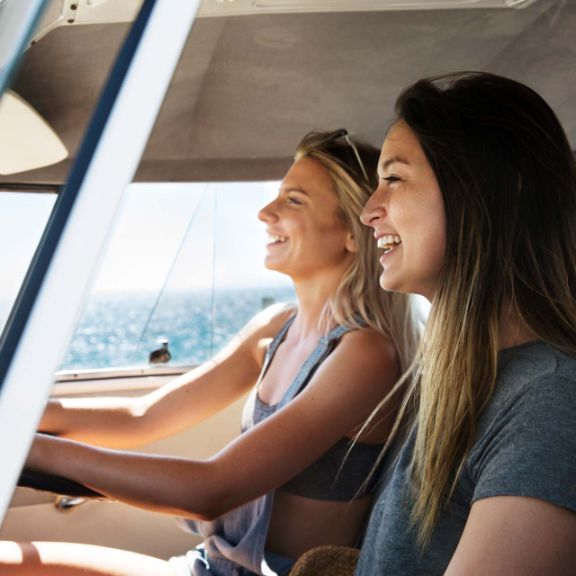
[(121, 422), (342, 393), (516, 536)]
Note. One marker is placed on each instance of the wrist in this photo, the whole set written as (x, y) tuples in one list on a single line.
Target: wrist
[(46, 453)]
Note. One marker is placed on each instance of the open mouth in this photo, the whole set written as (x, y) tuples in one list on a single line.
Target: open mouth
[(273, 239), (388, 242)]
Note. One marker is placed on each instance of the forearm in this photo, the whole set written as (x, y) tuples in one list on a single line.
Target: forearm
[(170, 485), (123, 422), (113, 422)]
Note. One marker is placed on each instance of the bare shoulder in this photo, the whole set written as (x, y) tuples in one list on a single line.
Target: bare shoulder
[(261, 329), (367, 345), (364, 364), (353, 380)]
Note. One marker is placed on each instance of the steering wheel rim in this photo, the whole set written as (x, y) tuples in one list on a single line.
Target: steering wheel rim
[(56, 484)]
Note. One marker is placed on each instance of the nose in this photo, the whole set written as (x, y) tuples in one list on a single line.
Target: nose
[(374, 208), (267, 213)]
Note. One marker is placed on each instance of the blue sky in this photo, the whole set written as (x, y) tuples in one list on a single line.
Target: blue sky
[(22, 220)]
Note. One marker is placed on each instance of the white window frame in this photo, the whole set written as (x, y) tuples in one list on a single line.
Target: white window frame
[(45, 314)]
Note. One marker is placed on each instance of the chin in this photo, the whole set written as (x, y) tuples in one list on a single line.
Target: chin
[(274, 266), (386, 284), (389, 285)]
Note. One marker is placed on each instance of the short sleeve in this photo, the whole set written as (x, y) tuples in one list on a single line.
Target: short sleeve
[(529, 448)]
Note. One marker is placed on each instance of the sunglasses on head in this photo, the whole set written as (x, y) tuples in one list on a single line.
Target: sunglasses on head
[(343, 133)]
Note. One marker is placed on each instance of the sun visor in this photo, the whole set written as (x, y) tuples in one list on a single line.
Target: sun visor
[(32, 143)]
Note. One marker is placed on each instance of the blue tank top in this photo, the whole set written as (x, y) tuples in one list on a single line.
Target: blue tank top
[(340, 473), (234, 544)]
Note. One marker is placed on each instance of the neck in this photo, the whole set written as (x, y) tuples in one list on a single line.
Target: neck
[(313, 295), (513, 331)]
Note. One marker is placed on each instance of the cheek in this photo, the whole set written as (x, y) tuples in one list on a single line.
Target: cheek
[(329, 224), (422, 226)]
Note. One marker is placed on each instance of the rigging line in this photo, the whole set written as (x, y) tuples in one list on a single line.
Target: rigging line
[(213, 292), (168, 276)]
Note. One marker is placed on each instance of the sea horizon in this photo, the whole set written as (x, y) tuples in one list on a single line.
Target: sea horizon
[(120, 329)]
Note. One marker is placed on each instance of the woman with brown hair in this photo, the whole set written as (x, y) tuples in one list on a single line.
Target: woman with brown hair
[(476, 210)]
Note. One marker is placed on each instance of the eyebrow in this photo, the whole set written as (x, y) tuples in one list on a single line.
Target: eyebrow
[(294, 189), (394, 160)]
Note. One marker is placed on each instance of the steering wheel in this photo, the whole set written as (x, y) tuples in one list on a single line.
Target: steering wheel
[(56, 484)]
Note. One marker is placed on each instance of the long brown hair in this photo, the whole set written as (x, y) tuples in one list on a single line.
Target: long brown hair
[(508, 180)]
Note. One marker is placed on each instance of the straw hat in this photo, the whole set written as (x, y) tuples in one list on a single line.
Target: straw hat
[(326, 561)]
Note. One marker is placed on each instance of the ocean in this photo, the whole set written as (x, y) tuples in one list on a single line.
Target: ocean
[(120, 330)]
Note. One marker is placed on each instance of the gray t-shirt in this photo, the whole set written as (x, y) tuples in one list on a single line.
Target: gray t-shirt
[(526, 446)]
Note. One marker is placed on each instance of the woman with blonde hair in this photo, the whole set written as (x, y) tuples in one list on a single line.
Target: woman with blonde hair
[(313, 372), (476, 210)]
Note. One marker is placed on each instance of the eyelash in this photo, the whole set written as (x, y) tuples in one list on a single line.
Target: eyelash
[(390, 179), (293, 200)]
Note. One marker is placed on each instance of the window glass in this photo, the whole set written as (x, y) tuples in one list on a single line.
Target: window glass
[(23, 217), (184, 264)]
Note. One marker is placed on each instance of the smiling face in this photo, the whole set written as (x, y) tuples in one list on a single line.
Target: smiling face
[(307, 235), (407, 214)]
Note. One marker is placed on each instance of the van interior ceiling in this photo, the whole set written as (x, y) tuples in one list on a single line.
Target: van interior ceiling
[(248, 86)]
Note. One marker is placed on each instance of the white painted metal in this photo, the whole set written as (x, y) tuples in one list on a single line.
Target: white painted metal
[(58, 13), (102, 11), (312, 5), (71, 12), (53, 317), (239, 7)]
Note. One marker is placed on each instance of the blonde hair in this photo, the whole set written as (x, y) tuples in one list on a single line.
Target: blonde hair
[(359, 301), (508, 179)]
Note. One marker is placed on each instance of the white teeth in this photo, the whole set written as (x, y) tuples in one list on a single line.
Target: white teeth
[(387, 242), (272, 238)]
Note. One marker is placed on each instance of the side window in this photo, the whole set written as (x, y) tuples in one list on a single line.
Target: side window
[(183, 265), (23, 217)]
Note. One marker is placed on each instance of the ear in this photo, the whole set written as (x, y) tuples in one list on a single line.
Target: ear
[(351, 244)]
